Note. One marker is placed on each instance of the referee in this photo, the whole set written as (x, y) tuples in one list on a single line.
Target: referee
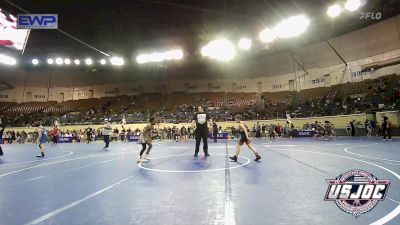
[(202, 120)]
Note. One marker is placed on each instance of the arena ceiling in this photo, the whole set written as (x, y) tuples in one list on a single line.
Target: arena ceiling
[(129, 27)]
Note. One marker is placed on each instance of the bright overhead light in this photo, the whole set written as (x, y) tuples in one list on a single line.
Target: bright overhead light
[(77, 61), (59, 61), (352, 5), (156, 57), (142, 59), (267, 35), (176, 54), (173, 55), (245, 43), (50, 61), (103, 61), (7, 60), (35, 61), (334, 10), (88, 61), (221, 49), (67, 61), (169, 55), (117, 61), (292, 26)]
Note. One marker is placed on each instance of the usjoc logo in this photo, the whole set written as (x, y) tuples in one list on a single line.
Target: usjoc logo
[(356, 191), (37, 21), (305, 133), (220, 135), (63, 139)]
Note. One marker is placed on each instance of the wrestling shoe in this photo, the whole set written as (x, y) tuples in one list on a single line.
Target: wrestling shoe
[(233, 158)]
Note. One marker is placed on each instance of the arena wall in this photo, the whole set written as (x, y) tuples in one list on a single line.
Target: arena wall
[(371, 45), (339, 123), (316, 78)]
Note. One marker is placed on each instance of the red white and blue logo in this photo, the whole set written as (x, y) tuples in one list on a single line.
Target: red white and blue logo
[(356, 191)]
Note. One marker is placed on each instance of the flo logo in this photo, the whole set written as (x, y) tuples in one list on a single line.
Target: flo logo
[(370, 15), (356, 191)]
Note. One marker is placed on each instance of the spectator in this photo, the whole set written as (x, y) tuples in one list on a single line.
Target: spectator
[(386, 127), (353, 129)]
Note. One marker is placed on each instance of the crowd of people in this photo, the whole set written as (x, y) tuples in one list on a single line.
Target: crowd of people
[(89, 134), (184, 133), (201, 129), (376, 97), (120, 133)]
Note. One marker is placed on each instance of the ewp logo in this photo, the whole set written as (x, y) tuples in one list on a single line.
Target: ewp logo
[(37, 21)]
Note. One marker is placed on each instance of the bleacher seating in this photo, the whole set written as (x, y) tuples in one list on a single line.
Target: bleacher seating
[(282, 97), (178, 99), (240, 101), (364, 95), (316, 94), (148, 102), (211, 99), (29, 107)]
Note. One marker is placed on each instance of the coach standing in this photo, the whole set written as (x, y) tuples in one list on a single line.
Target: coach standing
[(106, 131), (215, 131), (386, 125), (353, 129), (1, 136), (202, 120)]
